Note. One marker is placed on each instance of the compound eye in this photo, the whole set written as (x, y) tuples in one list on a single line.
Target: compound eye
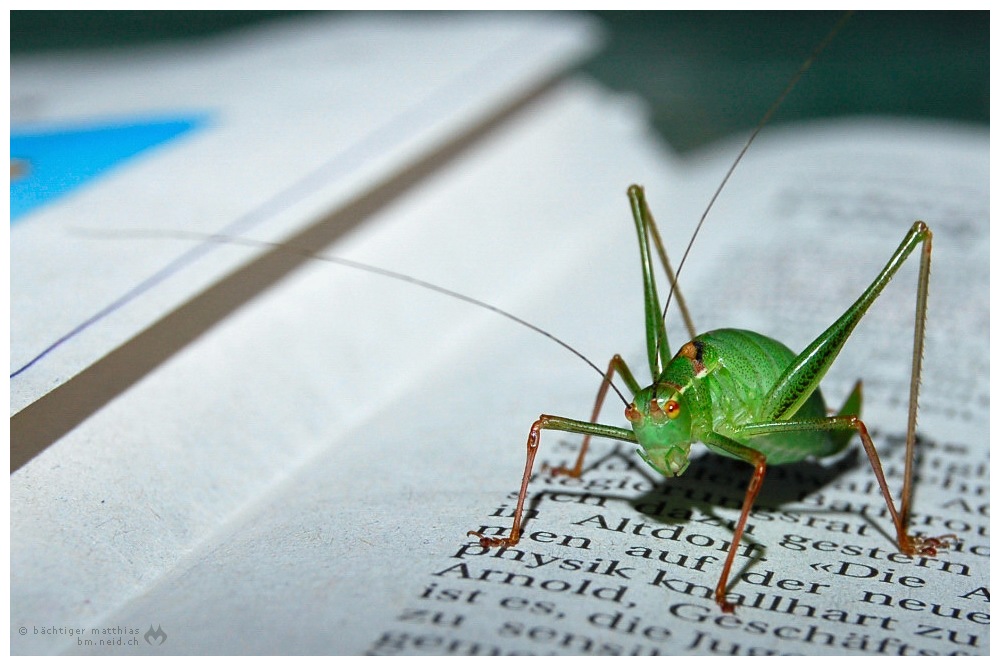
[(672, 408)]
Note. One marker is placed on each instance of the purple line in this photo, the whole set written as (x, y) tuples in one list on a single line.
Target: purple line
[(376, 142)]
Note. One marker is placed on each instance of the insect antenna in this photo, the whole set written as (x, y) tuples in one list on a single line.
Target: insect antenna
[(357, 265), (803, 68)]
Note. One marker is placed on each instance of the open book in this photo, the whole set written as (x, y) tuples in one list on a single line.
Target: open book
[(301, 478)]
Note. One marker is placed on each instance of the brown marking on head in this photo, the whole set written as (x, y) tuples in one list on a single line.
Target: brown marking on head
[(655, 413)]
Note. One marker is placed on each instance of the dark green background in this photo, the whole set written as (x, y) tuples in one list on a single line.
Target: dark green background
[(705, 74)]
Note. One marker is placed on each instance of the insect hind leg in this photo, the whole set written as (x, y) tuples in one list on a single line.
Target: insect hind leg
[(675, 288), (908, 544), (852, 407), (808, 368)]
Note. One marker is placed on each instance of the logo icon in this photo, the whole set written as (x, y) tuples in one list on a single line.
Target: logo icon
[(157, 636)]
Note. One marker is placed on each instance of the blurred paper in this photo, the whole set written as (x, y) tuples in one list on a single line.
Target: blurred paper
[(289, 123), (302, 478)]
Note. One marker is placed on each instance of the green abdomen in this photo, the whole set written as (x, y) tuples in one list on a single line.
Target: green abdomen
[(741, 368)]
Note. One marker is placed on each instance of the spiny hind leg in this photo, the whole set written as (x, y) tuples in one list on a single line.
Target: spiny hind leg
[(910, 544), (808, 368), (669, 270)]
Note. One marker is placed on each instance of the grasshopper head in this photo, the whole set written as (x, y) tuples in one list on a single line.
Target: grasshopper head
[(662, 424)]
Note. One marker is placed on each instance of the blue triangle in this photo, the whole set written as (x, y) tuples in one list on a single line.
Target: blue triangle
[(49, 162)]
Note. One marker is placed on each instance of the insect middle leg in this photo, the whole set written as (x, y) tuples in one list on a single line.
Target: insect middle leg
[(759, 462)]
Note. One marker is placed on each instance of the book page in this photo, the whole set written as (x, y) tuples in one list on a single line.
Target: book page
[(302, 479), (623, 561)]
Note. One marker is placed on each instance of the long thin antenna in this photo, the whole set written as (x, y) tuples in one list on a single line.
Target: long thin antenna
[(803, 68), (357, 265)]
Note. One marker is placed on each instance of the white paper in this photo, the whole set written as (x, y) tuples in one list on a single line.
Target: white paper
[(302, 118), (301, 480)]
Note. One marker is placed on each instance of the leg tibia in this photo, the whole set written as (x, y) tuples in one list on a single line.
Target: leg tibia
[(546, 422), (909, 544)]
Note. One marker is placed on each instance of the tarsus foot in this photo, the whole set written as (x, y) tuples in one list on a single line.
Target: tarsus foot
[(562, 470), (929, 546), (491, 542)]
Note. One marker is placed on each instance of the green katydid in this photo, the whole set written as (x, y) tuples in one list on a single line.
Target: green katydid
[(743, 395)]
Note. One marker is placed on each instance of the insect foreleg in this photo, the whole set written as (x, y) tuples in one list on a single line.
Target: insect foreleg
[(618, 365), (546, 422)]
